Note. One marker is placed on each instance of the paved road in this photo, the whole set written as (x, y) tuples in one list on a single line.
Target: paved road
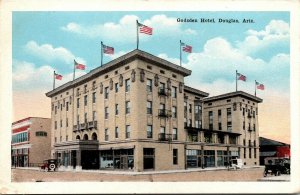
[(250, 174)]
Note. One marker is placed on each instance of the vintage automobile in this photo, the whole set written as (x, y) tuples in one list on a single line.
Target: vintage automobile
[(277, 166), (49, 165)]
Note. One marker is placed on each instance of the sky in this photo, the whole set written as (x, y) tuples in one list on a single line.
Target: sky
[(48, 41)]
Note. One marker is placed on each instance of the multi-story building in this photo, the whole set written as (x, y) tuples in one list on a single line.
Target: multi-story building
[(136, 113), (31, 143)]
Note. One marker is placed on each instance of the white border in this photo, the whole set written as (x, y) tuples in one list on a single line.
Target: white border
[(6, 8)]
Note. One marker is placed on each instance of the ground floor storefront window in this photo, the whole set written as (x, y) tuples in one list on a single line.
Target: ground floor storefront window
[(222, 158), (194, 158), (117, 159)]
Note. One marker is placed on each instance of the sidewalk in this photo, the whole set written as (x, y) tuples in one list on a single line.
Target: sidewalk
[(121, 172), (276, 178)]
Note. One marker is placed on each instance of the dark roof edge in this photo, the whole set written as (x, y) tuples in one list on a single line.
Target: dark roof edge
[(233, 94), (130, 56), (27, 118), (195, 91)]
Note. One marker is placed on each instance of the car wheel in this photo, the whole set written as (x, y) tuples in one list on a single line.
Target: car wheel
[(46, 169)]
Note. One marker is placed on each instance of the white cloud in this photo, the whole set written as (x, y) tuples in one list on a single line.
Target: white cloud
[(173, 60), (50, 53), (27, 77), (277, 32), (125, 29), (219, 60), (116, 55)]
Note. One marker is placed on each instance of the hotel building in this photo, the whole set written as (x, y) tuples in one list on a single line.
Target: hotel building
[(136, 113), (31, 143)]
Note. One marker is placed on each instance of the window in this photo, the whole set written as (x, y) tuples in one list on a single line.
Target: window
[(245, 153), (149, 107), (190, 123), (253, 127), (94, 115), (55, 110), (117, 109), (149, 85), (55, 125), (67, 138), (61, 107), (228, 114), (185, 122), (197, 123), (190, 108), (175, 156), (220, 126), (198, 109), (175, 134), (67, 106), (244, 125), (127, 107), (94, 97), (174, 92), (55, 139), (85, 100), (85, 117), (60, 123), (67, 122), (41, 133), (77, 119), (106, 112), (127, 85), (106, 134), (117, 132), (254, 152), (149, 67), (174, 112), (149, 131), (229, 126), (210, 116), (128, 129), (78, 99), (243, 111), (162, 129), (116, 87), (250, 154), (106, 93)]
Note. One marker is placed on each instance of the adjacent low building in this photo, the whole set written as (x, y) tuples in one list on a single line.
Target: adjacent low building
[(272, 148), (135, 113), (31, 143)]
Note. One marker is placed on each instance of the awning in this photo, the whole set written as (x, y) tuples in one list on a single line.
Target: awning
[(117, 148)]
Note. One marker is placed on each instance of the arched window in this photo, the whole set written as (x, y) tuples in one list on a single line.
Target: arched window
[(94, 136), (77, 137), (85, 137)]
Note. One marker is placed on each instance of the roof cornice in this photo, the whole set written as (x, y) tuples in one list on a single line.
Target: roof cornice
[(234, 94), (118, 62)]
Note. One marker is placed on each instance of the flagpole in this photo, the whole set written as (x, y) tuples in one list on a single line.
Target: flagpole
[(54, 79), (137, 34), (255, 89), (101, 53), (235, 80), (180, 51), (74, 72)]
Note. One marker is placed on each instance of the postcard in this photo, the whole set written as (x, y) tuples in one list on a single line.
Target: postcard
[(131, 97)]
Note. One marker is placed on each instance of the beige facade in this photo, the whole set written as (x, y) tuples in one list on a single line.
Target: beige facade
[(31, 141), (129, 114)]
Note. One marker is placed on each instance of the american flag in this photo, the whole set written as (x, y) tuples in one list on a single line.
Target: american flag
[(58, 76), (107, 49), (241, 77), (186, 48), (145, 29), (260, 86), (79, 66)]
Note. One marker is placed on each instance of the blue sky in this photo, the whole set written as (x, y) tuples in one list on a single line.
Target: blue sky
[(47, 41), (52, 28)]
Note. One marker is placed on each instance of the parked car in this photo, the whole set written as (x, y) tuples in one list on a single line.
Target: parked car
[(49, 165), (277, 166)]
